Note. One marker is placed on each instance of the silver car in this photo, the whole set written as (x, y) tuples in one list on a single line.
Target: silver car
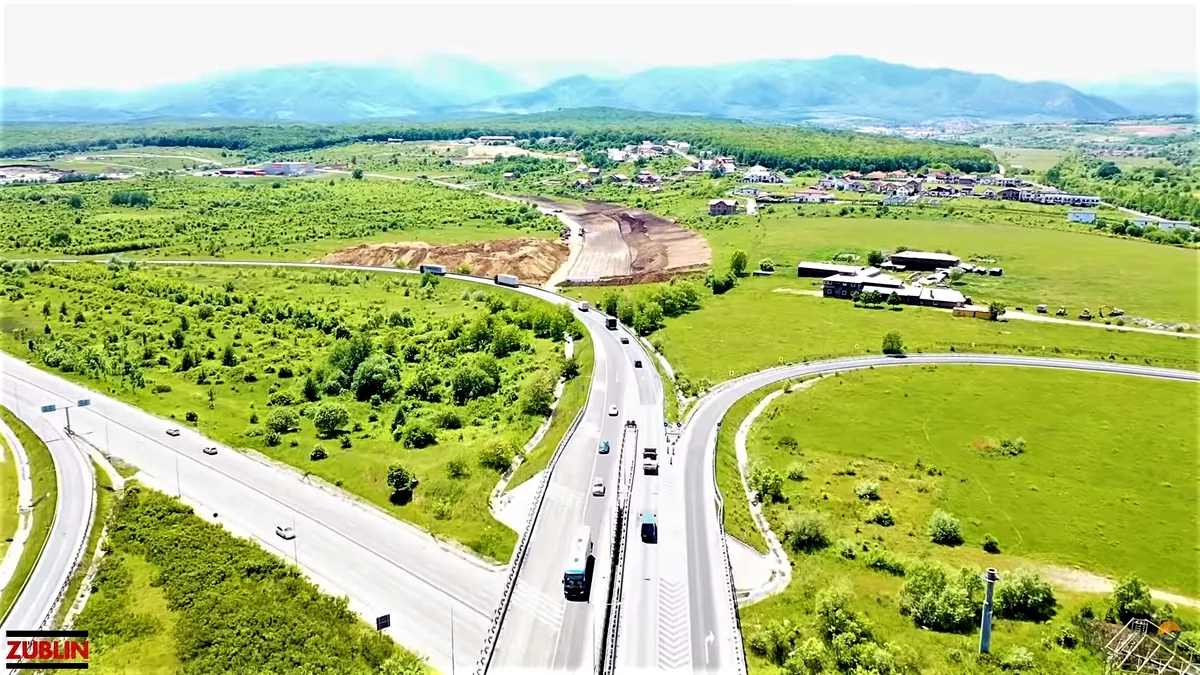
[(285, 532), (612, 410), (598, 487)]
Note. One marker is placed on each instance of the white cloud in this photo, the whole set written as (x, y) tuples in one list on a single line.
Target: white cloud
[(130, 46)]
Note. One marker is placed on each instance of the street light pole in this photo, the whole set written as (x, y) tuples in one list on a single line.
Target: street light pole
[(985, 627)]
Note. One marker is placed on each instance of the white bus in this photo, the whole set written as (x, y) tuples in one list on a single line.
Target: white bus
[(575, 576)]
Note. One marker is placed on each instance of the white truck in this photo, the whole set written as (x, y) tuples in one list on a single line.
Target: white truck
[(506, 280), (583, 306)]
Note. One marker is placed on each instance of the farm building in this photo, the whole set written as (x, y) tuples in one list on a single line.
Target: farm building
[(845, 285), (922, 260), (1081, 216), (288, 168), (973, 311), (820, 269), (690, 171), (618, 178), (510, 176), (1172, 224), (722, 207), (497, 140), (811, 197), (1063, 198), (895, 200), (941, 297)]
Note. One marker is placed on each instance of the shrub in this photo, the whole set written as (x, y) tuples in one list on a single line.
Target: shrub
[(282, 420), (399, 478), (418, 434), (766, 483), (1066, 638), (160, 388), (498, 457), (990, 544), (191, 416), (272, 438), (788, 443), (285, 372), (280, 398), (936, 599), (944, 529), (893, 343), (835, 618), (867, 490), (774, 640), (881, 515), (1130, 600), (1016, 658), (806, 532), (766, 265), (1025, 596), (796, 472), (847, 548), (806, 659), (254, 418), (447, 419), (318, 453), (329, 417), (457, 469), (883, 561)]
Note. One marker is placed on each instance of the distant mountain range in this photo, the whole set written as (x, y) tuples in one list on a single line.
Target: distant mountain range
[(835, 88), (1175, 93)]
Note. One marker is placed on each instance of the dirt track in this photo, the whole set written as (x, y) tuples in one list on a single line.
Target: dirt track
[(532, 260), (627, 245)]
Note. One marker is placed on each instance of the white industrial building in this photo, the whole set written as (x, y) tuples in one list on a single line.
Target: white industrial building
[(288, 168)]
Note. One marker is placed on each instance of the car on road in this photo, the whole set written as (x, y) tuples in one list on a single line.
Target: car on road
[(649, 527), (210, 450), (558, 210), (649, 453), (598, 487), (612, 410), (285, 532), (637, 363), (650, 468), (604, 448), (172, 432), (624, 340)]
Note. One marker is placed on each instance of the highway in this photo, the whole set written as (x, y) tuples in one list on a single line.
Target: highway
[(542, 629), (64, 546), (712, 627)]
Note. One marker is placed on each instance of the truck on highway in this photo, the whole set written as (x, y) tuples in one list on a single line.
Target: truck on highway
[(575, 575), (439, 270), (583, 306), (506, 280), (649, 527), (610, 322), (649, 453)]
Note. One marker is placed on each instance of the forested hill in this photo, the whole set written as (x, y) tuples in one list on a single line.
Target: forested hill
[(778, 147)]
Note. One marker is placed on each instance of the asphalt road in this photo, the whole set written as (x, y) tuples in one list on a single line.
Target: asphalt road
[(711, 624), (542, 629), (73, 517)]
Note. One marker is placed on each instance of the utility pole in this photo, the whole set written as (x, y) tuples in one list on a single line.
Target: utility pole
[(985, 627)]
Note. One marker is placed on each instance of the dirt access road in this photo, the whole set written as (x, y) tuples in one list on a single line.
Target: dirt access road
[(623, 245), (532, 260)]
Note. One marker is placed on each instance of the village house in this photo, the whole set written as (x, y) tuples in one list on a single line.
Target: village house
[(689, 171), (748, 191), (965, 179), (988, 194), (593, 172), (811, 197), (897, 175), (722, 207), (875, 175), (510, 176), (761, 174), (1081, 216), (1173, 224), (821, 269), (618, 178), (618, 156), (1011, 194), (941, 191), (647, 178), (583, 184), (852, 175)]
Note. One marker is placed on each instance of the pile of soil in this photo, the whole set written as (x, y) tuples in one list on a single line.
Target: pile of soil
[(532, 260)]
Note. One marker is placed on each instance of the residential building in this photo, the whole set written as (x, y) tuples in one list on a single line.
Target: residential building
[(941, 191), (688, 171), (288, 168), (875, 175), (965, 179), (583, 184), (497, 140), (761, 174), (618, 178), (618, 156), (897, 175), (1172, 224), (722, 207), (1081, 216), (822, 269), (811, 197), (647, 178), (895, 200), (593, 172), (1063, 198), (846, 285), (1011, 194), (748, 191), (922, 260), (942, 297), (852, 175), (510, 176)]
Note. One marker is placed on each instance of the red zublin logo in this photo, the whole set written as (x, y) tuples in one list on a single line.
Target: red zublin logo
[(46, 649)]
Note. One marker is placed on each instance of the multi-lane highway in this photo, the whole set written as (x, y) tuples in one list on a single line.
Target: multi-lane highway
[(72, 519), (711, 624)]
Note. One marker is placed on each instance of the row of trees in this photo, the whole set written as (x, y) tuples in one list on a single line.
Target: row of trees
[(1167, 192)]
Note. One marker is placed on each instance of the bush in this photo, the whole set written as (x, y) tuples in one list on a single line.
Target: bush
[(282, 420), (329, 417), (1025, 596), (867, 490), (280, 398), (447, 419), (191, 416), (774, 640), (806, 532), (498, 457), (1066, 638), (1130, 600), (881, 560), (285, 372), (1016, 658), (796, 472), (788, 443), (318, 453), (160, 388), (806, 659), (272, 438), (766, 483), (990, 544), (766, 265), (881, 515), (835, 618), (893, 343), (418, 434), (399, 478), (847, 548), (457, 469), (937, 600), (944, 529)]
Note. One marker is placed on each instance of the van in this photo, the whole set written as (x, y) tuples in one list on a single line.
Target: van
[(649, 527)]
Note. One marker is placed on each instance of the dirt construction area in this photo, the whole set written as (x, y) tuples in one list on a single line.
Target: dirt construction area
[(623, 245), (531, 260)]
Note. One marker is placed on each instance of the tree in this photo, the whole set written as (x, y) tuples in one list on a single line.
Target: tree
[(372, 375), (570, 369), (357, 174), (649, 318), (938, 599), (737, 263), (60, 237), (329, 417), (610, 302), (418, 434), (1025, 596), (1108, 170), (1130, 600), (311, 389), (228, 358), (497, 457), (893, 343), (537, 394), (282, 420), (894, 300), (470, 382), (625, 313), (944, 529), (875, 258), (766, 483), (806, 532), (399, 478), (996, 310)]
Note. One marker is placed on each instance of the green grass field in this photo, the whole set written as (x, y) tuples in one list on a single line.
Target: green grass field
[(152, 654), (45, 502), (1088, 491), (1105, 484), (8, 497), (1034, 159), (732, 335), (456, 364)]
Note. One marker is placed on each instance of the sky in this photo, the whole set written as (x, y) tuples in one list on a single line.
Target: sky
[(51, 46)]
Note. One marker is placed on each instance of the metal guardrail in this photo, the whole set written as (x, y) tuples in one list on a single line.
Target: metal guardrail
[(82, 548), (489, 643), (739, 646), (617, 578)]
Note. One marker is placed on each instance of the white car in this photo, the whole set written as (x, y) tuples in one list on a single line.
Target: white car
[(210, 450), (612, 410), (285, 532), (598, 488)]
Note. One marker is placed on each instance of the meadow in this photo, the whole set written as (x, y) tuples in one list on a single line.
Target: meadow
[(1033, 159), (263, 218), (175, 594), (45, 502), (1085, 492), (341, 374)]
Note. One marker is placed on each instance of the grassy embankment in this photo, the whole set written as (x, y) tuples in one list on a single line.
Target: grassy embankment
[(1085, 492), (45, 502)]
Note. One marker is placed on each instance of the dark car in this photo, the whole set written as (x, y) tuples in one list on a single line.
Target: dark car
[(637, 364), (624, 340)]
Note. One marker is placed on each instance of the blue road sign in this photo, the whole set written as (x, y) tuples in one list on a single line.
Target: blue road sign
[(49, 408), (84, 402)]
